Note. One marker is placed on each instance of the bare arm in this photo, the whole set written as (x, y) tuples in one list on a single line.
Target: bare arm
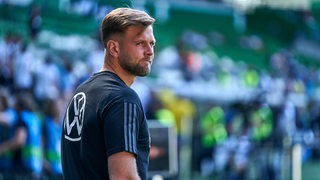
[(16, 142), (123, 166)]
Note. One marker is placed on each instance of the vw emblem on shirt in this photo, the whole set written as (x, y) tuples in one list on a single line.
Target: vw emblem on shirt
[(74, 117)]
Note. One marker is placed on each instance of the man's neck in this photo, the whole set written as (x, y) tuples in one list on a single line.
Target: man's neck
[(126, 77)]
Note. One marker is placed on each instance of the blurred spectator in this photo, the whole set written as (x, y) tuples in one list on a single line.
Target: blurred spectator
[(261, 120), (23, 70), (26, 144), (68, 78), (157, 111), (9, 49), (312, 24), (7, 120), (143, 91), (213, 127), (95, 59), (52, 130), (47, 85), (253, 42), (185, 60), (182, 108), (35, 21), (190, 62)]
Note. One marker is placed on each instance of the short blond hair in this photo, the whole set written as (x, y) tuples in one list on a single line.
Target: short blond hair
[(118, 21)]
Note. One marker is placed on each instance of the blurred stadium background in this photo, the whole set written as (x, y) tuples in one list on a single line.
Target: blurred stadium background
[(235, 82)]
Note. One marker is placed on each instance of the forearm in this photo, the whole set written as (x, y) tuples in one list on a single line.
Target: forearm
[(125, 174), (8, 145), (122, 176), (16, 142), (123, 166)]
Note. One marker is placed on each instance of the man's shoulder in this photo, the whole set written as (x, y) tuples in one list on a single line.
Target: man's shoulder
[(129, 94)]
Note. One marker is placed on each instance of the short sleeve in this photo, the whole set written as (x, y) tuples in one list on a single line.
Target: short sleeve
[(121, 127)]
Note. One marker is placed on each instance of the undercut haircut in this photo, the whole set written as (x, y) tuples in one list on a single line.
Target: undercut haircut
[(118, 21)]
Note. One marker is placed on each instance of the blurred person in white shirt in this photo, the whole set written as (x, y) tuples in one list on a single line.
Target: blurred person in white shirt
[(47, 81), (23, 69)]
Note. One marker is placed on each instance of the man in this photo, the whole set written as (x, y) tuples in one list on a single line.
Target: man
[(105, 132)]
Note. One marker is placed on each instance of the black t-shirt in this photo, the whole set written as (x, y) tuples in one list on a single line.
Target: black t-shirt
[(104, 117)]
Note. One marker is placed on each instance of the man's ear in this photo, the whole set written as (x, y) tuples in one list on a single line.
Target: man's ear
[(113, 48)]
